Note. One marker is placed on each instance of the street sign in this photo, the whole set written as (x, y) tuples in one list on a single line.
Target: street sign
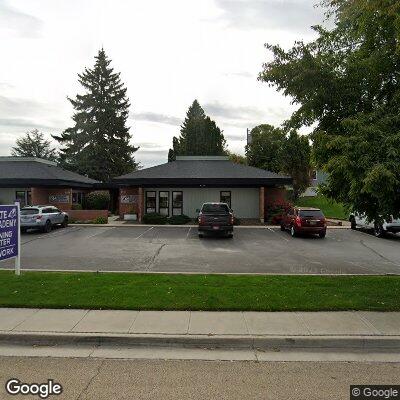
[(10, 235)]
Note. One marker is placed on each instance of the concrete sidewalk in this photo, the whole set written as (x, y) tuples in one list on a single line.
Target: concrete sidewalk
[(200, 328)]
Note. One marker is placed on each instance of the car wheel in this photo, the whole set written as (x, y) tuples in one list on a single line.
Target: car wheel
[(353, 223), (23, 230), (201, 235), (322, 234), (65, 223), (293, 232), (283, 228), (47, 227), (230, 235), (379, 231)]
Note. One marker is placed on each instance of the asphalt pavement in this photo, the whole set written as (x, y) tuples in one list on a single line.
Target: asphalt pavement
[(179, 249), (105, 379)]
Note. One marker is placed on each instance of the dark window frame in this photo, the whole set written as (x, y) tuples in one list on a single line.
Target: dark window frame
[(155, 200), (25, 202), (230, 197), (168, 202), (177, 208)]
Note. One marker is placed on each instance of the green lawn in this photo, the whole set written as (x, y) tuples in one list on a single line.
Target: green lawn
[(198, 292), (330, 208)]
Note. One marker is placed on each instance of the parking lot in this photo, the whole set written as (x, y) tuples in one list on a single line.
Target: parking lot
[(178, 249)]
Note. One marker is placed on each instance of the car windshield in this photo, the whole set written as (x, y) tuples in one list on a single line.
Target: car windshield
[(311, 213), (215, 208), (29, 211)]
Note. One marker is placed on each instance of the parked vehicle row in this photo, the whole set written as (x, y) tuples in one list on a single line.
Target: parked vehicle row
[(42, 217)]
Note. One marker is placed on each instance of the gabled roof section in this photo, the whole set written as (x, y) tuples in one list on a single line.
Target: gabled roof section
[(30, 171), (207, 171)]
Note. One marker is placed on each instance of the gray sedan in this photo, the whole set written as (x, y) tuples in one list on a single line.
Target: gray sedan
[(42, 217)]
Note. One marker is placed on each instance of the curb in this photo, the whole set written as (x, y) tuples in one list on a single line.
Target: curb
[(203, 341)]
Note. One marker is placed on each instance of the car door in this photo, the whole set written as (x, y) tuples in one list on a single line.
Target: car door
[(58, 216)]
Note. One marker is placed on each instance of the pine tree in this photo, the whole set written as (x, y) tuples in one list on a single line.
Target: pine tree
[(199, 136), (98, 143), (33, 144)]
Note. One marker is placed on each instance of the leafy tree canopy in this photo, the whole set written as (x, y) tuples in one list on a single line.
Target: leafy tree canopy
[(98, 144), (347, 85), (33, 144), (271, 149), (200, 136)]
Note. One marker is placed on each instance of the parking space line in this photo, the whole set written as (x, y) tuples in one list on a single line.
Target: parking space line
[(270, 229), (187, 235), (99, 233), (148, 230)]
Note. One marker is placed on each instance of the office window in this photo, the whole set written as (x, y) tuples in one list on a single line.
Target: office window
[(177, 203), (225, 197), (163, 203), (77, 197), (150, 202), (20, 196)]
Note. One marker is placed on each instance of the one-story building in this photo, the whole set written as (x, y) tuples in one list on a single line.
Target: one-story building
[(182, 186), (30, 180)]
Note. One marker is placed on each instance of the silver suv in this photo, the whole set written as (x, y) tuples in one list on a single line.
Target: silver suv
[(42, 217)]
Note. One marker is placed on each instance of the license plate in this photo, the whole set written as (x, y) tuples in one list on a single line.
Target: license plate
[(215, 228), (313, 222)]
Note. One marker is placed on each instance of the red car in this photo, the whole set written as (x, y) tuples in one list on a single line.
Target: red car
[(304, 220)]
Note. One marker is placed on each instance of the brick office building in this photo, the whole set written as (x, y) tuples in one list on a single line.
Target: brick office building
[(35, 181)]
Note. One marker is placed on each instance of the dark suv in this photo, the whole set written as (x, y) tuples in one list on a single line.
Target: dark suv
[(216, 217), (304, 220)]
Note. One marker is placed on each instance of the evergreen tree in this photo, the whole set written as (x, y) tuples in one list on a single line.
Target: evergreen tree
[(33, 144), (98, 143), (200, 136)]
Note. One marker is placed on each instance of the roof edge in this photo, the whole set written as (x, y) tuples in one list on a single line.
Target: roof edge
[(35, 159)]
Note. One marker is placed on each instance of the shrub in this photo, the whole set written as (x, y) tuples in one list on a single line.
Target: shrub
[(275, 211), (154, 218), (100, 220), (179, 219), (76, 207), (98, 200)]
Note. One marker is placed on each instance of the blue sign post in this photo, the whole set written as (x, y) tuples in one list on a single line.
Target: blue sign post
[(10, 235)]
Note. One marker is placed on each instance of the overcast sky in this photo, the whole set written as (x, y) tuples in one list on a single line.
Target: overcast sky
[(168, 53)]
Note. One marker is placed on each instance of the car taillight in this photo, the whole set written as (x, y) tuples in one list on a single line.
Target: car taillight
[(298, 221), (323, 220), (38, 216), (201, 219), (232, 219)]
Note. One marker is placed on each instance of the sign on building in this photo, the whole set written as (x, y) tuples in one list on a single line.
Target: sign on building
[(59, 198), (10, 237), (129, 199)]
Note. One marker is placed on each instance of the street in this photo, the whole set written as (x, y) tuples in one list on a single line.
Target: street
[(105, 379), (178, 249)]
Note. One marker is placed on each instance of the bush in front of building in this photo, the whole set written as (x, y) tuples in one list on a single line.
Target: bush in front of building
[(100, 220), (275, 211), (76, 207), (98, 200), (155, 219), (179, 219)]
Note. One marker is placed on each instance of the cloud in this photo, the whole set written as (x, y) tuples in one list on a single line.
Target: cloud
[(23, 123), (156, 117), (289, 15), (241, 74), (233, 112), (17, 22)]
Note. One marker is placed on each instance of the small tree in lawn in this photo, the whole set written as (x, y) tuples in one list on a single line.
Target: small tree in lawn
[(33, 144), (98, 144)]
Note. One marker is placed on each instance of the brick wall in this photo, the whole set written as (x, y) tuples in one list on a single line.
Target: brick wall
[(41, 196), (86, 215), (125, 208)]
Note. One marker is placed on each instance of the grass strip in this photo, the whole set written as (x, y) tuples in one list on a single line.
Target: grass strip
[(199, 292)]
